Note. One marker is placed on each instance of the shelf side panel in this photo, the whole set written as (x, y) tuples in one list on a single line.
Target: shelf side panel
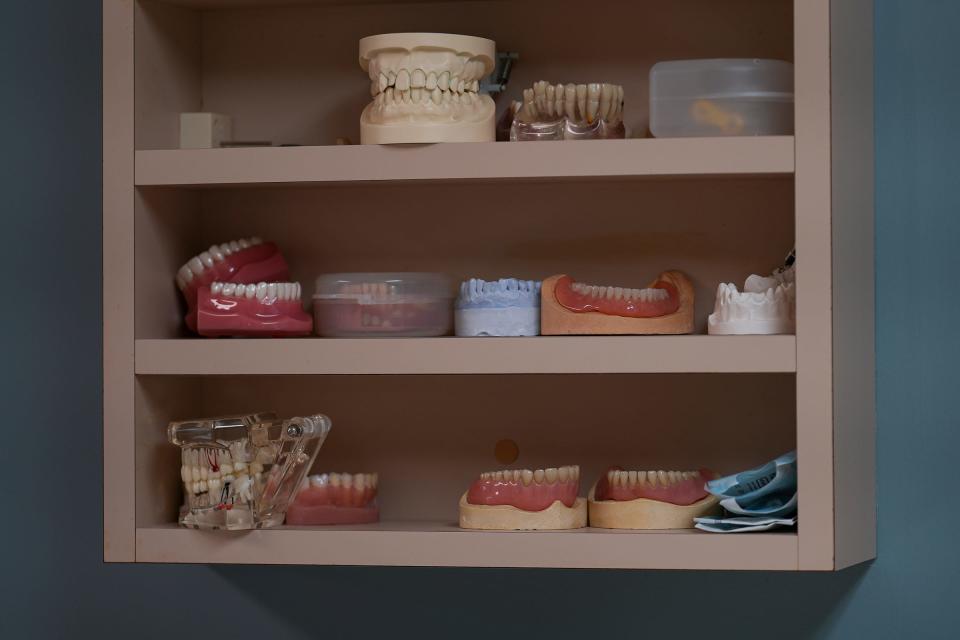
[(118, 337), (853, 282), (814, 285)]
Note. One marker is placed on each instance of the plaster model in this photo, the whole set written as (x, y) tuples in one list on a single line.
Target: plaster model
[(767, 306), (572, 308), (238, 262), (426, 88), (514, 500), (506, 307), (650, 499), (336, 498), (265, 309), (569, 112)]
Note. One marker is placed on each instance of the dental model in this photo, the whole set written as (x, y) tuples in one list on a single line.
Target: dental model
[(651, 499), (545, 499), (238, 262), (506, 307), (572, 308), (569, 112), (264, 309), (336, 498), (426, 88), (767, 306)]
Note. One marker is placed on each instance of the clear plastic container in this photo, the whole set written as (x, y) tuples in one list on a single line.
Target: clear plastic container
[(721, 97), (350, 305)]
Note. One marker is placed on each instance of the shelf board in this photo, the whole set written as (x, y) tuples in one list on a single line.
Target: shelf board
[(445, 545), (478, 161), (568, 354)]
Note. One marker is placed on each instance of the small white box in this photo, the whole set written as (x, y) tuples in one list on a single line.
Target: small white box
[(204, 130)]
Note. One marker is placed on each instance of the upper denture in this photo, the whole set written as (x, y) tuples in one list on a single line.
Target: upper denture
[(674, 487), (661, 299), (526, 489)]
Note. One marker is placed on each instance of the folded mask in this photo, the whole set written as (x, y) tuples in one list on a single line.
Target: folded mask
[(769, 491), (742, 525)]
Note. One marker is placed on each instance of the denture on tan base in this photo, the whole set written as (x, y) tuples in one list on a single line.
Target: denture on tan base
[(651, 499), (335, 498), (265, 309), (573, 308), (515, 500)]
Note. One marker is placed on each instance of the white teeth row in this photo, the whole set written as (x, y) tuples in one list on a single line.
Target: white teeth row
[(262, 291), (357, 481), (540, 476), (216, 253), (774, 303), (619, 293), (233, 477), (476, 289), (403, 79), (649, 478), (577, 102), (437, 96), (369, 288)]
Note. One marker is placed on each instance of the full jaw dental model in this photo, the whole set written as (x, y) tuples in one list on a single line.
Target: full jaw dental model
[(506, 307), (336, 498), (767, 306), (264, 309), (238, 262), (569, 112), (651, 499), (572, 308), (426, 88), (515, 500)]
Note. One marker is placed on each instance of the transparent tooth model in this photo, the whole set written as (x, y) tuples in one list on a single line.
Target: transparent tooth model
[(241, 472), (591, 111)]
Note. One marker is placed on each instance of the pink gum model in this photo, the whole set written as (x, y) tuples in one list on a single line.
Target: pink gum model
[(265, 309), (336, 498)]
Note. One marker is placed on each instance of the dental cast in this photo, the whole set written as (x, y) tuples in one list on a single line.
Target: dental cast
[(767, 306), (505, 307)]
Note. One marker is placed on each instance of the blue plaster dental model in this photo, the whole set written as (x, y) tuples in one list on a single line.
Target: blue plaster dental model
[(506, 307)]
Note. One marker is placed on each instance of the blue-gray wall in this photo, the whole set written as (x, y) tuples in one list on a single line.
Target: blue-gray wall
[(53, 583)]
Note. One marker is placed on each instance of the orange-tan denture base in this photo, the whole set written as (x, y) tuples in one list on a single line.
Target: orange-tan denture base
[(644, 513), (508, 518)]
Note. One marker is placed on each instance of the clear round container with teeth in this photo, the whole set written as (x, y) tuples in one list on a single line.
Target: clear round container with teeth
[(352, 305), (242, 472)]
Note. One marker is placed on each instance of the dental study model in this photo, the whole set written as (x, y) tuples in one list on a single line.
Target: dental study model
[(767, 306), (238, 262), (264, 309), (569, 112), (572, 308), (505, 307), (426, 88), (240, 472), (335, 498), (515, 500), (383, 305), (650, 499)]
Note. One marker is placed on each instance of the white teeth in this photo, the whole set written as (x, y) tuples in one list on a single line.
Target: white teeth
[(652, 478), (418, 78), (618, 293), (196, 266), (582, 101), (575, 472), (461, 86), (216, 288), (558, 100), (384, 82), (184, 276), (609, 293), (243, 243), (551, 100), (526, 476), (475, 86), (216, 252), (606, 100), (454, 83), (593, 101), (360, 482), (499, 476), (662, 477), (563, 473), (251, 291), (335, 480), (271, 290), (347, 480), (540, 96), (551, 475), (538, 476), (444, 81), (570, 101), (206, 259), (261, 291), (391, 78), (416, 94), (229, 289), (320, 480), (632, 477), (431, 82), (234, 246), (436, 95), (403, 80)]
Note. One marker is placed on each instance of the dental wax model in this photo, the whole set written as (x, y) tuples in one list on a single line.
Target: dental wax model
[(516, 500), (506, 307), (336, 498), (241, 472), (383, 305), (425, 88), (265, 309), (650, 499), (572, 308), (569, 112), (238, 262), (767, 306)]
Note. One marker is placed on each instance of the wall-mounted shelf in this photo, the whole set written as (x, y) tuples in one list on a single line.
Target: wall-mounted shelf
[(426, 413), (484, 161)]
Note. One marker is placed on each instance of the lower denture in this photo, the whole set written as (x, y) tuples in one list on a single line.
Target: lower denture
[(616, 301), (526, 490), (241, 315), (335, 498), (674, 487)]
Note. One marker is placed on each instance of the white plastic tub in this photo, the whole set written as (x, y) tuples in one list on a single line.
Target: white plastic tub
[(721, 97)]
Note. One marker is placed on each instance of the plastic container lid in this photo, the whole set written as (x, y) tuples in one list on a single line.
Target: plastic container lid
[(722, 78), (384, 287)]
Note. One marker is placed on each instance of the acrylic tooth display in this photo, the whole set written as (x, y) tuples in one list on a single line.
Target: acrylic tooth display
[(568, 112), (241, 472)]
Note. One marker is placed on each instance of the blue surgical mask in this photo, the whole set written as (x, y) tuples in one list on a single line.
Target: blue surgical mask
[(769, 490)]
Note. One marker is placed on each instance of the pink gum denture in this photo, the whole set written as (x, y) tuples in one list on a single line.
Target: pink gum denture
[(238, 262), (336, 498), (264, 309), (525, 489)]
